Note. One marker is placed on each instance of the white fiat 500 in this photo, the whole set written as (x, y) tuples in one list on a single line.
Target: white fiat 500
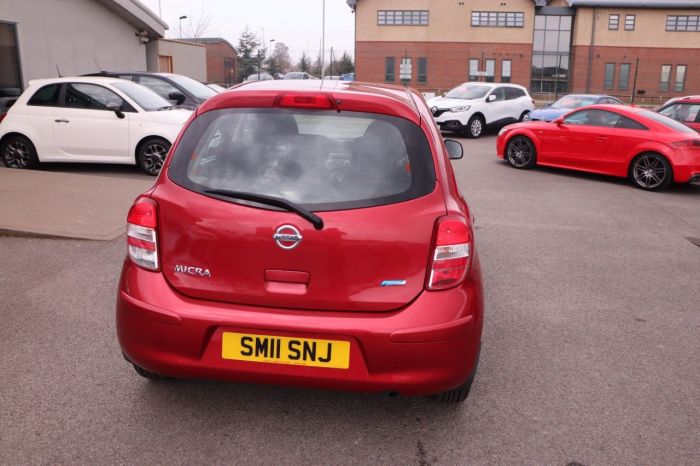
[(472, 107), (100, 120)]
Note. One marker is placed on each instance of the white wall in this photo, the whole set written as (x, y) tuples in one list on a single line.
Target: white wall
[(80, 36), (188, 59)]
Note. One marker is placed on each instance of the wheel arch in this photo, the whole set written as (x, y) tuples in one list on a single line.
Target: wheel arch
[(17, 133), (139, 144), (638, 153)]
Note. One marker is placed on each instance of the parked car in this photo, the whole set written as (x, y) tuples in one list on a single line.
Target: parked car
[(259, 77), (299, 75), (348, 76), (686, 111), (568, 103), (180, 90), (333, 77), (650, 149), (673, 99), (472, 107), (100, 120), (318, 239), (216, 87), (8, 97)]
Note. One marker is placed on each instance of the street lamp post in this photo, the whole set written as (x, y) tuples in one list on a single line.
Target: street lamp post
[(271, 41), (181, 18), (323, 39)]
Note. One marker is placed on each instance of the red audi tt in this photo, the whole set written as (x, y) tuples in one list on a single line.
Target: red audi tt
[(649, 148), (306, 233)]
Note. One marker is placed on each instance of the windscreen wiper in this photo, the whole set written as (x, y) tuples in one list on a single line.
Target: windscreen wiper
[(314, 219)]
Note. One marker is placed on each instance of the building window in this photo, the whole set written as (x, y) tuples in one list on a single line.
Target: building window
[(422, 70), (629, 22), (683, 23), (402, 17), (614, 22), (623, 81), (500, 19), (551, 51), (389, 69), (490, 71), (609, 79), (10, 78), (474, 69), (405, 70), (665, 77), (679, 83), (506, 71)]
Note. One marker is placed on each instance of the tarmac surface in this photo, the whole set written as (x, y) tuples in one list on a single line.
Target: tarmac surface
[(590, 348)]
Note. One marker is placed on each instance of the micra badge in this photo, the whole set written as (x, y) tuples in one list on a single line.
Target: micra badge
[(194, 271)]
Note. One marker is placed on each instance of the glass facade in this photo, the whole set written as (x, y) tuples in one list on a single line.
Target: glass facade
[(551, 53)]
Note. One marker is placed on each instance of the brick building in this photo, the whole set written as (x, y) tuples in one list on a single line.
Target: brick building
[(620, 47), (222, 61)]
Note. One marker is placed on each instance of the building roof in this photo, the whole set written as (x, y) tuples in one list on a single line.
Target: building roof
[(608, 3), (138, 15), (210, 40), (637, 3)]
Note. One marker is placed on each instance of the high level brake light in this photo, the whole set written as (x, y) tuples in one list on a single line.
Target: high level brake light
[(451, 253), (305, 100), (142, 233)]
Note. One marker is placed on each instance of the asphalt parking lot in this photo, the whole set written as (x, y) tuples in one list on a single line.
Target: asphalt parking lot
[(590, 349)]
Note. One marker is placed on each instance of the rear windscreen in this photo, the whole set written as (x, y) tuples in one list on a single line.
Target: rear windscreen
[(323, 160)]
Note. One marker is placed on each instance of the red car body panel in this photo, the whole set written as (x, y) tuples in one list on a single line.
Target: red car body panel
[(407, 338), (608, 151)]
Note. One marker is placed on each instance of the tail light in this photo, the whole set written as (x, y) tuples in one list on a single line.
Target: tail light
[(142, 233), (451, 253), (687, 144)]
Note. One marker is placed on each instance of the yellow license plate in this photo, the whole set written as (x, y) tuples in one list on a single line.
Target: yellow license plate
[(286, 350)]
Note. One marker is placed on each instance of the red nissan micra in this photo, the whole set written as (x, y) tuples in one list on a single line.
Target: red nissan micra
[(306, 233)]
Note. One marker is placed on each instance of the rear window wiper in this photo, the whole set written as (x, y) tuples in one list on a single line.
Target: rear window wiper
[(314, 219)]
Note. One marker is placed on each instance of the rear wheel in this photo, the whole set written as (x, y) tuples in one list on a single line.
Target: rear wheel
[(475, 127), (18, 152), (151, 155), (459, 394), (148, 374), (651, 171), (520, 152)]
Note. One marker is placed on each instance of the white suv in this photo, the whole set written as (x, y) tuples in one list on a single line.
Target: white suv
[(471, 107)]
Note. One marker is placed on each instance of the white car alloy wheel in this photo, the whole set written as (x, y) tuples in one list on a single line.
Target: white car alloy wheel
[(527, 117), (476, 127)]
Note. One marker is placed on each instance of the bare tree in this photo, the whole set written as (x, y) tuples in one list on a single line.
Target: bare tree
[(198, 26)]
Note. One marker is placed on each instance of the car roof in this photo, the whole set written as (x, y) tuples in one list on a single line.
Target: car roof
[(492, 85), (350, 95), (595, 96), (75, 79), (686, 100)]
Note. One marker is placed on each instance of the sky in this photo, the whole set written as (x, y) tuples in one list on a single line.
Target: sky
[(297, 23)]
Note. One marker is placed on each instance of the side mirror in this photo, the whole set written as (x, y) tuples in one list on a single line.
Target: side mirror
[(116, 108), (559, 121), (491, 98), (178, 97), (454, 149)]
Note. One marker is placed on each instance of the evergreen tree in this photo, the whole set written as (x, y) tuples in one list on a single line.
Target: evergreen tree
[(248, 51), (304, 63)]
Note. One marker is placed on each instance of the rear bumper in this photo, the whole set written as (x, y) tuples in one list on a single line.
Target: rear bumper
[(431, 345), (686, 173)]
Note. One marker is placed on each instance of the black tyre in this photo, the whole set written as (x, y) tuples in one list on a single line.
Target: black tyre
[(151, 155), (148, 374), (18, 152), (651, 172), (520, 152), (459, 394), (475, 127)]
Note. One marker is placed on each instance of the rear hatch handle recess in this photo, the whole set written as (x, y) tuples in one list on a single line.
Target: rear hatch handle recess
[(289, 206)]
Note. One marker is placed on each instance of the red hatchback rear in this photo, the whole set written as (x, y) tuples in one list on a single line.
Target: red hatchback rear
[(306, 233)]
